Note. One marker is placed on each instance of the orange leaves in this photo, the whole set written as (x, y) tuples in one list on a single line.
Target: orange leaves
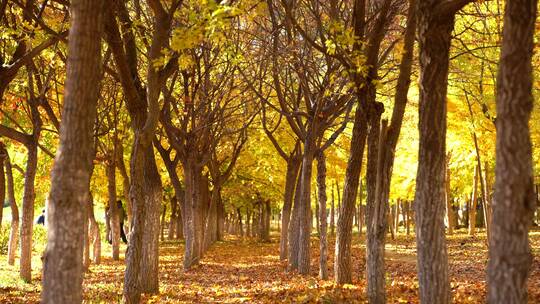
[(244, 271)]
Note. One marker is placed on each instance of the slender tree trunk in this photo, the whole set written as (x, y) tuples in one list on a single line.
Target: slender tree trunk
[(86, 237), (162, 223), (268, 215), (70, 177), (473, 205), (449, 209), (240, 226), (94, 233), (221, 219), (172, 222), (317, 220), (3, 156), (28, 213), (333, 213), (114, 218), (361, 213), (514, 203), (14, 231), (119, 161), (323, 246)]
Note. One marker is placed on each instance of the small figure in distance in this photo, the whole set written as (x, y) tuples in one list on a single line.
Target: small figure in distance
[(122, 217), (41, 218)]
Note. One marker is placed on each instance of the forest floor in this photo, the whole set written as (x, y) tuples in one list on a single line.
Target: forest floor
[(245, 271)]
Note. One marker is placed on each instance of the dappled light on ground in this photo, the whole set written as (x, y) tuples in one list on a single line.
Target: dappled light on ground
[(245, 271)]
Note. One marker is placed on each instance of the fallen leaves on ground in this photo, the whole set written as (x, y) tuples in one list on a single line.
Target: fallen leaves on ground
[(245, 271)]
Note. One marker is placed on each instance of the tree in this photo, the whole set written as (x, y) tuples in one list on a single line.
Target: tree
[(435, 24), (62, 271), (514, 200)]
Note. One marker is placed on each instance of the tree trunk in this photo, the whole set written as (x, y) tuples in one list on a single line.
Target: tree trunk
[(407, 214), (114, 218), (323, 246), (240, 226), (14, 231), (449, 209), (119, 161), (361, 213), (86, 237), (95, 235), (342, 262), (304, 212), (221, 220), (377, 211), (514, 203), (28, 213), (333, 213), (435, 25), (70, 177), (317, 220), (473, 205), (294, 226), (3, 156), (162, 223), (266, 224), (172, 222), (191, 255)]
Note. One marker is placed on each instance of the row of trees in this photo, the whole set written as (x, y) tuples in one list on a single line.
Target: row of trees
[(199, 82)]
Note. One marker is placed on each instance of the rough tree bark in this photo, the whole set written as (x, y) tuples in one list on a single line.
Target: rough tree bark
[(114, 218), (3, 156), (28, 212), (321, 183), (14, 230), (435, 25), (62, 269), (514, 203)]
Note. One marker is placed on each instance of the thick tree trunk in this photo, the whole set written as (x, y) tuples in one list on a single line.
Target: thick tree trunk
[(293, 166), (342, 262), (294, 226), (304, 212), (514, 203), (323, 246), (435, 25), (191, 255), (377, 219), (28, 213), (114, 218), (14, 231), (70, 177)]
